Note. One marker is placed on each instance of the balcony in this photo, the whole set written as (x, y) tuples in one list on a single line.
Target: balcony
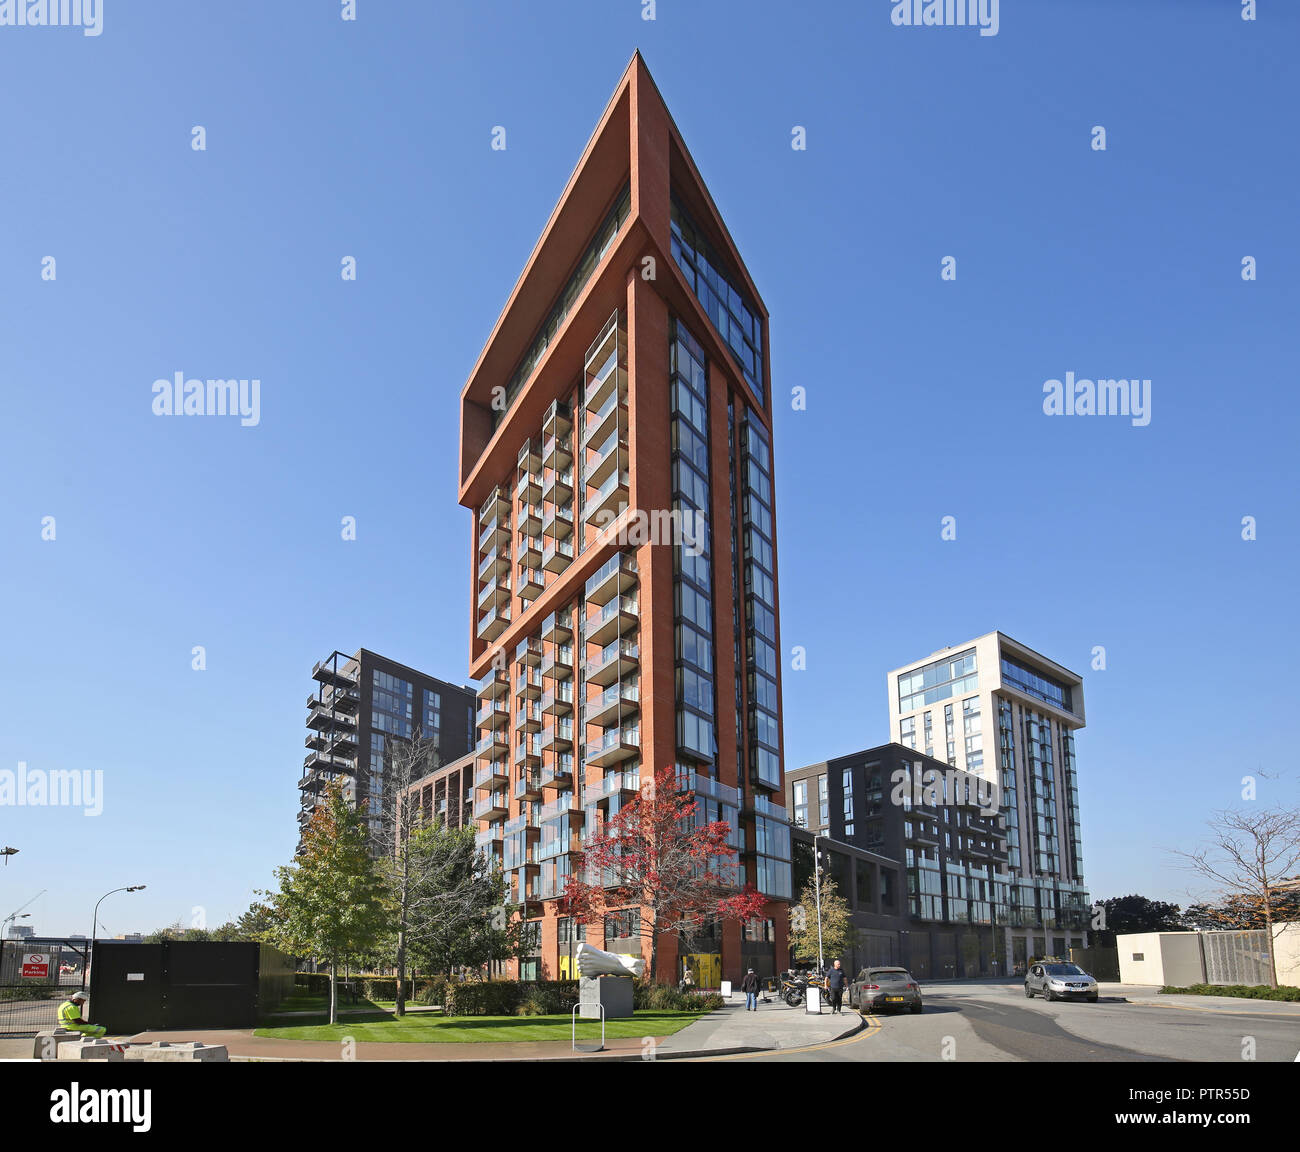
[(324, 762), (556, 452), (620, 615), (615, 576), (530, 457), (623, 784), (322, 717), (558, 701), (342, 744), (494, 533), (495, 683), (528, 652), (558, 664), (493, 774), (495, 593), (528, 488), (342, 676), (528, 685), (704, 786), (531, 583), (557, 737), (494, 563), (529, 718), (493, 622), (562, 806), (493, 806), (605, 372), (557, 420), (530, 551), (608, 418), (559, 775), (617, 702), (613, 663), (557, 555), (558, 626), (345, 700), (615, 745), (312, 784), (489, 841), (529, 784), (492, 714), (557, 522), (529, 519), (608, 455), (497, 503), (610, 499), (527, 825), (315, 740), (558, 487), (492, 745)]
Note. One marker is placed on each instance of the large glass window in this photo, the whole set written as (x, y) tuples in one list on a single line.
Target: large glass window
[(731, 313)]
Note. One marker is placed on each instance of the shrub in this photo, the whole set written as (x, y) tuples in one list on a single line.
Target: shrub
[(313, 983), (509, 998), (432, 991), (1247, 991), (666, 998)]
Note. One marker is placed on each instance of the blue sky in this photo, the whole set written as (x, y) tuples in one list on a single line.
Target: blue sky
[(371, 139)]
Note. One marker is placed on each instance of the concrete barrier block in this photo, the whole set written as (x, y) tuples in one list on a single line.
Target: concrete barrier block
[(47, 1043), (98, 1049), (187, 1051)]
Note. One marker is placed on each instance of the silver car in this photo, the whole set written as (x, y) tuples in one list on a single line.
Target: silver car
[(1058, 980)]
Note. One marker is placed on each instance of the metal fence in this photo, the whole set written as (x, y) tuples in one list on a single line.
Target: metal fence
[(35, 978), (1235, 957)]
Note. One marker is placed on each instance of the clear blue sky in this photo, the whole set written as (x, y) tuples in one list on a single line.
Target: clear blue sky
[(371, 139)]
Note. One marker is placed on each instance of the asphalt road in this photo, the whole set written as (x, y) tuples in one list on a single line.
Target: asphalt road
[(984, 1022)]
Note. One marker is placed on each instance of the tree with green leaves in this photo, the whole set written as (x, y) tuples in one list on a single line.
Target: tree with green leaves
[(456, 911), (838, 935), (1123, 914), (330, 899)]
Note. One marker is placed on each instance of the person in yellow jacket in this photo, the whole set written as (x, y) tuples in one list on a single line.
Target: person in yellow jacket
[(70, 1017)]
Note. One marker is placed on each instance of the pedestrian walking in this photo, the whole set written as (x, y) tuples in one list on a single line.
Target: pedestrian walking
[(749, 986), (836, 978)]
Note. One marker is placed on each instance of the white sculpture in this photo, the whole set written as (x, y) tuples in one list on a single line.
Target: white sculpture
[(595, 962)]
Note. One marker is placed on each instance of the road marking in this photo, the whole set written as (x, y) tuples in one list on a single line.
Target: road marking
[(873, 1027)]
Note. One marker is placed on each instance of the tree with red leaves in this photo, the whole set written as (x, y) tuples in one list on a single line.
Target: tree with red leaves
[(655, 854)]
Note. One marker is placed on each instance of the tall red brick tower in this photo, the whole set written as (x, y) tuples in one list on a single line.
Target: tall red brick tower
[(624, 392)]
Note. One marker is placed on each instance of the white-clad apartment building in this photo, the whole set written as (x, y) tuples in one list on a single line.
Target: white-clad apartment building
[(998, 709)]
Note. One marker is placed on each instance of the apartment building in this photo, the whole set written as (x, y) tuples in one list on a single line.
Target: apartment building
[(363, 702), (996, 708), (932, 829), (616, 452), (446, 795)]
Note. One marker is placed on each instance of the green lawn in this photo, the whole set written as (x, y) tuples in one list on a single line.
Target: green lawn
[(434, 1028)]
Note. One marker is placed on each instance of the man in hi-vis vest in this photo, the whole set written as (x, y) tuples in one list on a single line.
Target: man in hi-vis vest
[(70, 1017)]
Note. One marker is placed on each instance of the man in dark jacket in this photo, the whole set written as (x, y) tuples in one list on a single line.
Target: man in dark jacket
[(836, 978), (749, 986)]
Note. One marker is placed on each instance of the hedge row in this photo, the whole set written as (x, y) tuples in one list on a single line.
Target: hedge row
[(511, 998), (1248, 991)]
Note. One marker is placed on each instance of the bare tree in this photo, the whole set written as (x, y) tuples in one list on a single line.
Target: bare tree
[(405, 763), (1251, 852)]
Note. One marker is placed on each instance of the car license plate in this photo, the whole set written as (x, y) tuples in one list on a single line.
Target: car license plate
[(893, 999)]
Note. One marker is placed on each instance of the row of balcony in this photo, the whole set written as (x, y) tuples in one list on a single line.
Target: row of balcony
[(337, 676)]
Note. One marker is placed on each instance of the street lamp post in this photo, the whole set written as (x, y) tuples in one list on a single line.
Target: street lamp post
[(94, 922), (817, 887)]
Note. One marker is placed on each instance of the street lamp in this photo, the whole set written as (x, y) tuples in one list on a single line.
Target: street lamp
[(6, 852), (817, 887), (94, 923), (11, 918)]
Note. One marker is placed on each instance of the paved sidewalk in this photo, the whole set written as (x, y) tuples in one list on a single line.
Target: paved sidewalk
[(774, 1026)]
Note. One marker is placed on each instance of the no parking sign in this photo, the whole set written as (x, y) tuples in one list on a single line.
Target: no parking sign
[(36, 964)]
